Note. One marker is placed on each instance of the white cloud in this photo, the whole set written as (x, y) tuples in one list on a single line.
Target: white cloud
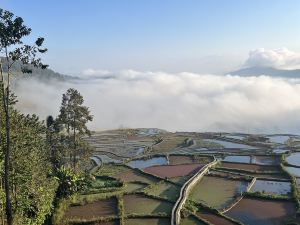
[(281, 58), (93, 72), (182, 101)]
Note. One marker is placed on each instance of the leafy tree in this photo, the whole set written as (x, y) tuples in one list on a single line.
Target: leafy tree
[(12, 33), (32, 190), (69, 182), (73, 119)]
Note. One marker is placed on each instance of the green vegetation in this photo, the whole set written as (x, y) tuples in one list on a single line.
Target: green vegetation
[(217, 192), (164, 190)]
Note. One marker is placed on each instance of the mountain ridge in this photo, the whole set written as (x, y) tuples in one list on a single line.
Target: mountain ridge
[(256, 71)]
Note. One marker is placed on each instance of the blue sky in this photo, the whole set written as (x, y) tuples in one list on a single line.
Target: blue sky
[(168, 35)]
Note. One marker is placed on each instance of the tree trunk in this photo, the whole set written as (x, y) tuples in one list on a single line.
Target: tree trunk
[(5, 104), (74, 136)]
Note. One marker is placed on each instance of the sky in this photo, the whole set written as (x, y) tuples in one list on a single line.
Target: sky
[(167, 63), (212, 36)]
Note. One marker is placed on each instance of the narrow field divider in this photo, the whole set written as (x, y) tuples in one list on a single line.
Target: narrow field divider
[(184, 191)]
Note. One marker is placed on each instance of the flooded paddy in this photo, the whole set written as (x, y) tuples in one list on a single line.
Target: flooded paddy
[(272, 187), (262, 212), (253, 159), (265, 160), (140, 204), (239, 137), (293, 159), (237, 158), (228, 144), (293, 170), (143, 163), (279, 139), (217, 192), (173, 170)]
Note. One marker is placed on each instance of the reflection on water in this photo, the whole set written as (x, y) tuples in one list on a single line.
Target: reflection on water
[(143, 163), (272, 187)]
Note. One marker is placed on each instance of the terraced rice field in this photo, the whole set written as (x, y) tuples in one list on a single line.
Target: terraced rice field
[(165, 190), (293, 170), (143, 163), (118, 142), (272, 187), (173, 170), (265, 160), (217, 192), (279, 139), (188, 159), (214, 219), (100, 208), (238, 158), (191, 221), (131, 187), (251, 167), (256, 159), (170, 142), (140, 204), (262, 212), (148, 221), (294, 159), (133, 175), (180, 180), (228, 144), (114, 222)]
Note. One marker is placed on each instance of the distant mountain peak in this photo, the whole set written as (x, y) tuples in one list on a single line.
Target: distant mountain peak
[(269, 71)]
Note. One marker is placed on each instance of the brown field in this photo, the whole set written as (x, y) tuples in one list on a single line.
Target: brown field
[(100, 208), (133, 175), (147, 221), (173, 170), (140, 204), (251, 167), (187, 159), (114, 222), (262, 212), (214, 219)]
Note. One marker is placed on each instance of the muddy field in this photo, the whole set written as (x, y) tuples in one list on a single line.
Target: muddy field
[(173, 170), (188, 159), (148, 221), (251, 167), (133, 175), (114, 222), (214, 219), (100, 208), (140, 204), (191, 221), (262, 212)]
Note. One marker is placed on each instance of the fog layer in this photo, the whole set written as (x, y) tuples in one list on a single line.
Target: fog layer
[(183, 101)]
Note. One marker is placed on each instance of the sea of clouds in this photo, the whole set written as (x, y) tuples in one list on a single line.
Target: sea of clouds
[(175, 101)]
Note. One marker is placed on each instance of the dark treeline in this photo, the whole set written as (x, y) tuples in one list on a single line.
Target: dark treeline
[(40, 161)]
